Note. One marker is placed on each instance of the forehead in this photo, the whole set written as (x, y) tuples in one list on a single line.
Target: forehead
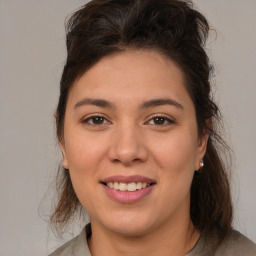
[(132, 75)]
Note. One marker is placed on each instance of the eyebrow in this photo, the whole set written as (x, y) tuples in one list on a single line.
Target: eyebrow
[(96, 102), (145, 105), (159, 102)]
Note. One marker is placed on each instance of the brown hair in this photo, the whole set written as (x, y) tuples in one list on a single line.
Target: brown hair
[(175, 29)]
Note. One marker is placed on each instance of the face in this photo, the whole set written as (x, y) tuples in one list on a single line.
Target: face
[(131, 142)]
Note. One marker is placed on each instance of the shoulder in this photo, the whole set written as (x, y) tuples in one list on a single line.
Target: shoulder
[(75, 247), (66, 249), (236, 244)]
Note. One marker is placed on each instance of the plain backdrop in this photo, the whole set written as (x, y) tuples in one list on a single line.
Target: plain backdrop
[(32, 54)]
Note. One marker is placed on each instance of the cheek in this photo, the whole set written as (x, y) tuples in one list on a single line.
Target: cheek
[(85, 159), (176, 156), (84, 155), (176, 152), (83, 151)]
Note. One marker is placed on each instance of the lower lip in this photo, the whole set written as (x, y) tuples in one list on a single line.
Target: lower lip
[(127, 197)]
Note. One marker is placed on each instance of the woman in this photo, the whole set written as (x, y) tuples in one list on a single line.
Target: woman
[(137, 130)]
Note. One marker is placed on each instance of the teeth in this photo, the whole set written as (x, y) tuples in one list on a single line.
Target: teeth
[(123, 187), (139, 185), (133, 186), (116, 185)]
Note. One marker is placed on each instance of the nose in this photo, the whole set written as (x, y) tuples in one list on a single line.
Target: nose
[(127, 146)]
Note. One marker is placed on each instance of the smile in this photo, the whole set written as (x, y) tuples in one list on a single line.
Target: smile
[(128, 189), (132, 186)]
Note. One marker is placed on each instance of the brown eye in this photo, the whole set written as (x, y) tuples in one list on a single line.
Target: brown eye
[(160, 120), (95, 120)]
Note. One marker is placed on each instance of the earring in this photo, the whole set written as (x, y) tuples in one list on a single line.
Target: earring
[(65, 164), (201, 164)]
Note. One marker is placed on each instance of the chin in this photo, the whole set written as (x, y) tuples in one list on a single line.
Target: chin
[(128, 225), (132, 230)]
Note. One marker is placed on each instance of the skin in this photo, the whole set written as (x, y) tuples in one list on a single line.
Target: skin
[(128, 140)]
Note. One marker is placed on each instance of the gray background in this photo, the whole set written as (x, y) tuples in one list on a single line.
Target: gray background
[(32, 53)]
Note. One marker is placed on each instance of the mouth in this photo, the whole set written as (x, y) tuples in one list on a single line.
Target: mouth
[(131, 186), (128, 189)]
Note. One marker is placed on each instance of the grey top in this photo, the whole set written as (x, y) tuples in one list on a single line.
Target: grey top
[(234, 245)]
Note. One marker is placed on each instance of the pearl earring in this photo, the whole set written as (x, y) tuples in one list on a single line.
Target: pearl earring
[(65, 164), (201, 164)]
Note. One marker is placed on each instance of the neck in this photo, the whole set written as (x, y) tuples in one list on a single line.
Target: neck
[(168, 239)]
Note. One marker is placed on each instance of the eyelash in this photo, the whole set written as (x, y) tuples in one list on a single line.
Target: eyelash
[(162, 118), (90, 119), (86, 121)]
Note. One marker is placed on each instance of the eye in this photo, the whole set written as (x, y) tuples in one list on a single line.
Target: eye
[(160, 121), (95, 120)]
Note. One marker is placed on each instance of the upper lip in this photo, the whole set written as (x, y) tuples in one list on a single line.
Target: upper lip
[(128, 179)]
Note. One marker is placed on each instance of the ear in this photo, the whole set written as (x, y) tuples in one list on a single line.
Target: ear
[(202, 146), (64, 156)]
